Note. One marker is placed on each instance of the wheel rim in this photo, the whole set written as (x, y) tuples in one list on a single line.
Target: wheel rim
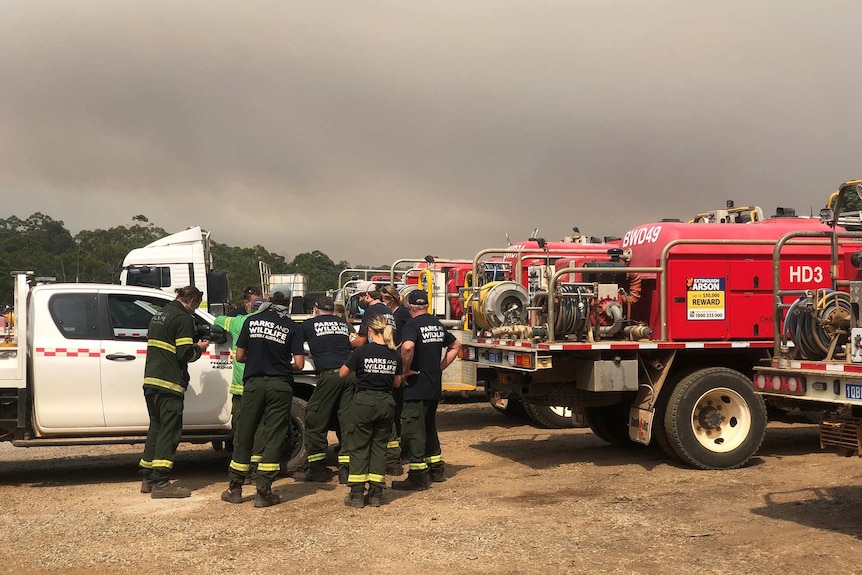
[(560, 411), (721, 420)]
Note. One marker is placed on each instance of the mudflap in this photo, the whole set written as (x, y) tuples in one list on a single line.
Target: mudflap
[(640, 425)]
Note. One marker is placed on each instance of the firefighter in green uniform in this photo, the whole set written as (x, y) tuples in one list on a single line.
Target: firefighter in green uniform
[(378, 371), (328, 339), (270, 345), (423, 343), (170, 348)]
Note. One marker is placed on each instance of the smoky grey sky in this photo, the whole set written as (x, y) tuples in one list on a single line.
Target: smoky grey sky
[(382, 130)]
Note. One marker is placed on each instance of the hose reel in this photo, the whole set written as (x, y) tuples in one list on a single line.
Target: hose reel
[(819, 324), (500, 303)]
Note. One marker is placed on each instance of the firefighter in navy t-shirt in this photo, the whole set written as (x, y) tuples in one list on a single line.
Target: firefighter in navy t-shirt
[(423, 340), (369, 299), (328, 339), (270, 345), (378, 370)]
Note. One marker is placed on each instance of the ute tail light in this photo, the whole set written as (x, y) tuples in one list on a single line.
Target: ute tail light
[(760, 381)]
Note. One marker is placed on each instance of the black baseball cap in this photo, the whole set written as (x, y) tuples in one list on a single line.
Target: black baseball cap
[(417, 297), (325, 303)]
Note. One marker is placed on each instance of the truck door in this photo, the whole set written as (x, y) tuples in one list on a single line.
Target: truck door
[(206, 401), (67, 394)]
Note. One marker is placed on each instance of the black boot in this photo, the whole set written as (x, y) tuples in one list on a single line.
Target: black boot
[(164, 489), (147, 481), (414, 482), (265, 498), (315, 472), (356, 497), (233, 493), (343, 474), (436, 475), (375, 496)]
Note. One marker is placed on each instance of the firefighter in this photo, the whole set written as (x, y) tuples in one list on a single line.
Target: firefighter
[(270, 344), (378, 369), (170, 348), (233, 325), (369, 298), (401, 315), (328, 339), (422, 343)]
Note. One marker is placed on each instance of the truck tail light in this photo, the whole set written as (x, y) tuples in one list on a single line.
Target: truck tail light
[(522, 360), (792, 384), (467, 353)]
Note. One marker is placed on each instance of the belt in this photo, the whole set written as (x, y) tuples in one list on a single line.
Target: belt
[(333, 370)]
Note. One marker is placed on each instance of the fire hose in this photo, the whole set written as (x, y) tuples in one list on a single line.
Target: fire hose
[(812, 323)]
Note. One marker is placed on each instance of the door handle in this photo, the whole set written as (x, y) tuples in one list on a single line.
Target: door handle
[(120, 357)]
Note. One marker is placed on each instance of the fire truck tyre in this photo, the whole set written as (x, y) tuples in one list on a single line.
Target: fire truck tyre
[(659, 433), (295, 454), (714, 419), (610, 423), (550, 416)]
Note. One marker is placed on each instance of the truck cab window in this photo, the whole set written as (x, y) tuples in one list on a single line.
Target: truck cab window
[(130, 316), (149, 276), (75, 315)]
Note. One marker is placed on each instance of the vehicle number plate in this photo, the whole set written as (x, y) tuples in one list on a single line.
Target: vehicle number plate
[(494, 356), (853, 391)]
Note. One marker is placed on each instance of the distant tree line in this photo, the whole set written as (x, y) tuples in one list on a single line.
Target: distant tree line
[(44, 245)]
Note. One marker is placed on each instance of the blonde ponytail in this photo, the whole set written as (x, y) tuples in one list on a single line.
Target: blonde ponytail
[(381, 325)]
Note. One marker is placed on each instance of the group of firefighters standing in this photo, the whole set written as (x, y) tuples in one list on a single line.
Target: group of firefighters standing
[(379, 386)]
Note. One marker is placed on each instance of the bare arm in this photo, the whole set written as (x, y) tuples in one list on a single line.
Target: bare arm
[(298, 361), (397, 381), (451, 354), (343, 371), (358, 341), (240, 355), (407, 348)]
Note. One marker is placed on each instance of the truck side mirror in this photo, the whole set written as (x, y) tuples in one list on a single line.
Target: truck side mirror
[(826, 215)]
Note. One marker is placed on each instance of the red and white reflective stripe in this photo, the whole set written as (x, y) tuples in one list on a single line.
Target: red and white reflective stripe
[(217, 354), (626, 345), (68, 352), (822, 366)]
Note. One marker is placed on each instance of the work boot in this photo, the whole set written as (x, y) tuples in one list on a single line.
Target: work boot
[(167, 490), (394, 469), (436, 476), (375, 496), (356, 497), (265, 498), (147, 484), (414, 482), (233, 493), (343, 474), (312, 474)]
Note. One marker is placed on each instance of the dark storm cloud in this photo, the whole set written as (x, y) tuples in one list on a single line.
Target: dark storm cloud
[(304, 126)]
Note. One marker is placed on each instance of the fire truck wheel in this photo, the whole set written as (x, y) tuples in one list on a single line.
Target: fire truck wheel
[(610, 424), (295, 454), (659, 433), (550, 416), (714, 419)]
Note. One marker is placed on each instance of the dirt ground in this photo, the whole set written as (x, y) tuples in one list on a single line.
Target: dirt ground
[(517, 500)]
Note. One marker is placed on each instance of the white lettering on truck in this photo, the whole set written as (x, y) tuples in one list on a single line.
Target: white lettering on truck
[(806, 274), (638, 236)]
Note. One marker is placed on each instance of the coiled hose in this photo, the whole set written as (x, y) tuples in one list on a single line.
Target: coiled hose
[(572, 311), (812, 326)]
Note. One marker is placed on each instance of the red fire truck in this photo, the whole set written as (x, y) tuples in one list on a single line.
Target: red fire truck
[(657, 338), (817, 352)]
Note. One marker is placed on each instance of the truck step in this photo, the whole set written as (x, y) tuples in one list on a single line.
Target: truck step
[(841, 432)]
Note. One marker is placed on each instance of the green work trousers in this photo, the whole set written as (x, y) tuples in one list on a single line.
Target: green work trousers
[(372, 414), (344, 415), (266, 403), (321, 415), (393, 448), (235, 410), (163, 436), (419, 441)]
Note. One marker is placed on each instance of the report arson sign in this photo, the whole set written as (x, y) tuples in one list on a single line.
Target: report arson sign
[(705, 298)]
